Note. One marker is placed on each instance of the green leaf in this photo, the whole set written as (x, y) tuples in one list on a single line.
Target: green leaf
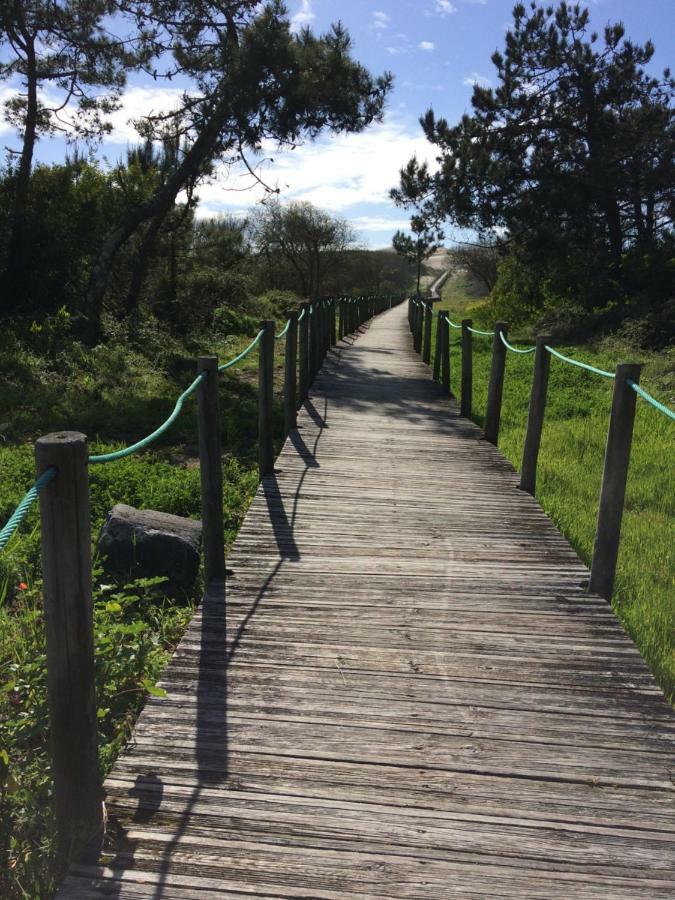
[(152, 688)]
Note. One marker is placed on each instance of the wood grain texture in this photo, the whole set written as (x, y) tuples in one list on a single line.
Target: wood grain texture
[(411, 694)]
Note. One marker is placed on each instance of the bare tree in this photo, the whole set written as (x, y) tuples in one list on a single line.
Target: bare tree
[(311, 240)]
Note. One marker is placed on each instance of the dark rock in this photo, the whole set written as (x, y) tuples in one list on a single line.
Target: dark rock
[(143, 543)]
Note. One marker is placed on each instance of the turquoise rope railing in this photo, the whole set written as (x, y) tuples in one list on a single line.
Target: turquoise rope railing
[(478, 331), (243, 353), (451, 323), (278, 337), (21, 511), (146, 441), (581, 365), (511, 347), (648, 397)]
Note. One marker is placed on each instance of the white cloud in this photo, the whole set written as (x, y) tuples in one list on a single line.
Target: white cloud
[(428, 46), (379, 223), (303, 17), (337, 172), (444, 7), (476, 78), (381, 20), (139, 101)]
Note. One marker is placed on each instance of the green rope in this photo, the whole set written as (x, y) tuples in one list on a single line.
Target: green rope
[(243, 353), (450, 323), (144, 442), (511, 347), (478, 331), (650, 399), (302, 315), (581, 365), (21, 511), (278, 337)]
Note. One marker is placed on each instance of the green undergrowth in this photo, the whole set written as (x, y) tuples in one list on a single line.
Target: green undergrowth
[(570, 467), (116, 394)]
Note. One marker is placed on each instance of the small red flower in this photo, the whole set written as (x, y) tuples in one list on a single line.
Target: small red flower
[(23, 586)]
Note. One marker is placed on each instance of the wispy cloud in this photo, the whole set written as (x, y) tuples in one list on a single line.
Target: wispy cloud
[(427, 46), (445, 7), (381, 20), (475, 78), (303, 17)]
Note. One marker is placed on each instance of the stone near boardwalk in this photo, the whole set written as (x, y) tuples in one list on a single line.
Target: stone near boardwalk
[(144, 543)]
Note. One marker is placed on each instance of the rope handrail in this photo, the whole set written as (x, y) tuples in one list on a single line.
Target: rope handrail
[(21, 511), (478, 331), (278, 337), (581, 365), (144, 442), (648, 397), (151, 438), (451, 323), (511, 347), (302, 315), (243, 353)]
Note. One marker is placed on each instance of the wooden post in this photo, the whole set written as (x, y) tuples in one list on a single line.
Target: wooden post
[(535, 416), (614, 477), (333, 323), (313, 342), (467, 370), (304, 354), (445, 354), (426, 351), (69, 632), (266, 399), (496, 385), (210, 470), (290, 375), (437, 348)]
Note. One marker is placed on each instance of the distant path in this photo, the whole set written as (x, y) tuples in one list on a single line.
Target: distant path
[(417, 699)]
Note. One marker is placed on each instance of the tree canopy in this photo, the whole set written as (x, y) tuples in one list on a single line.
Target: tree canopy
[(569, 160)]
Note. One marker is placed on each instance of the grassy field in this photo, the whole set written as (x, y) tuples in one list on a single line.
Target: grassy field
[(571, 459), (115, 394)]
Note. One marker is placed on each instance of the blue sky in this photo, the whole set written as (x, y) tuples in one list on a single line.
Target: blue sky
[(436, 50)]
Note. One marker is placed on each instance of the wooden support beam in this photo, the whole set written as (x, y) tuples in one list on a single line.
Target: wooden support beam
[(496, 385), (445, 354), (290, 374), (428, 318), (68, 616), (303, 378), (437, 348), (535, 416), (266, 399), (210, 469), (467, 369), (614, 477)]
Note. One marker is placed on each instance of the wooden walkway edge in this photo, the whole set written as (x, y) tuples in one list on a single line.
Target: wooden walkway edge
[(411, 696)]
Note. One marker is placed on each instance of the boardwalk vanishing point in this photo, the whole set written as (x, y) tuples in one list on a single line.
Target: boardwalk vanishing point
[(411, 695)]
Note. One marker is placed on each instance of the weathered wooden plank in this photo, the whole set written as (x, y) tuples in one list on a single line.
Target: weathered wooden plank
[(410, 693)]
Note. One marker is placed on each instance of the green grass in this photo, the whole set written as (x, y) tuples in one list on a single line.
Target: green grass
[(115, 394), (570, 467)]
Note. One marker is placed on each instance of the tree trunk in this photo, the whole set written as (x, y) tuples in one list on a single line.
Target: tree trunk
[(156, 208), (17, 265)]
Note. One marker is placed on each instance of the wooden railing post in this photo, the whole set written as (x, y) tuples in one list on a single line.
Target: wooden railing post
[(467, 369), (69, 632), (437, 348), (303, 380), (290, 374), (535, 415), (266, 399), (496, 385), (426, 350), (210, 469), (445, 354), (614, 477), (313, 342), (333, 323)]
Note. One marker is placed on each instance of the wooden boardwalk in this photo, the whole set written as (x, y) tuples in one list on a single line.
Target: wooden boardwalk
[(416, 697)]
